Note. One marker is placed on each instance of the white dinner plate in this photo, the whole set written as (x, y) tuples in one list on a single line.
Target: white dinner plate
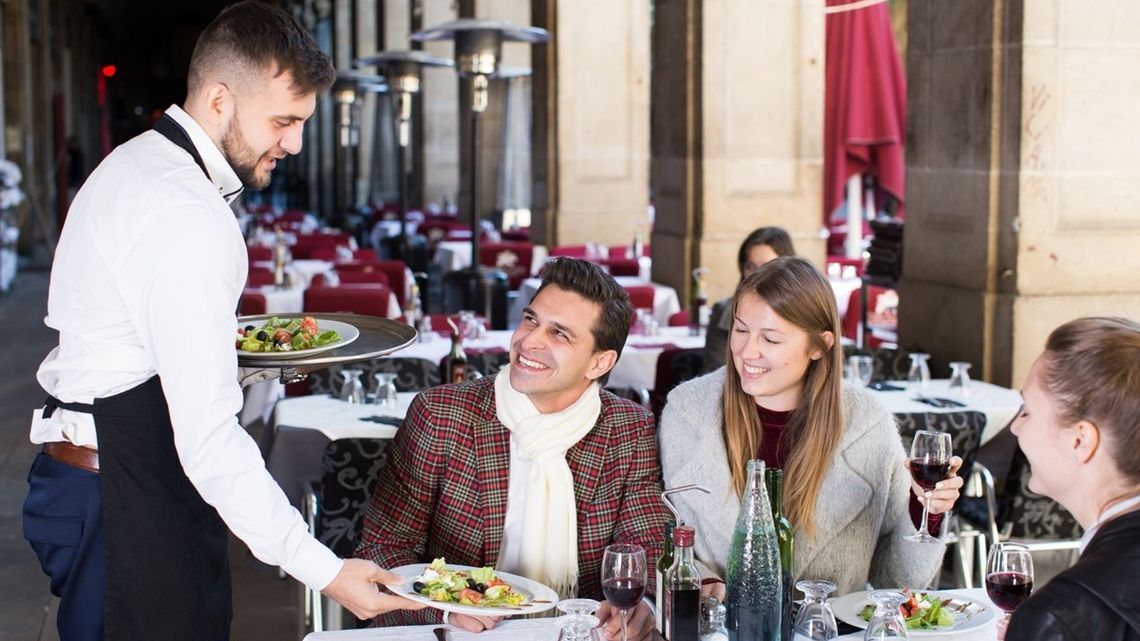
[(972, 615), (539, 598), (347, 334)]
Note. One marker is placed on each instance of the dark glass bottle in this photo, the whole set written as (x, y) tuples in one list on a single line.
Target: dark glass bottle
[(683, 590), (454, 369), (786, 539), (663, 564)]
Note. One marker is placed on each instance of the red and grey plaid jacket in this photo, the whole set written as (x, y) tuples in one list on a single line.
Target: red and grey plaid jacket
[(443, 491)]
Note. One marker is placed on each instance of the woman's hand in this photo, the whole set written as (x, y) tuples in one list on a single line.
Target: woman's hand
[(713, 588), (945, 494)]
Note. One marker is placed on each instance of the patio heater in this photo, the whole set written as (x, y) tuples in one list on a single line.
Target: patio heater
[(403, 69), (478, 50), (347, 91)]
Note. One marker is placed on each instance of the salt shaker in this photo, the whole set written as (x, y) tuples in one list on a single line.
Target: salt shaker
[(713, 614)]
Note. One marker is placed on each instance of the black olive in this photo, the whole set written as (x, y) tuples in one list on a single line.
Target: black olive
[(471, 583), (418, 586), (480, 587), (249, 328), (262, 335)]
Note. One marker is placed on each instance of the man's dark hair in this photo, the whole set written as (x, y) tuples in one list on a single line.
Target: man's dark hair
[(254, 36), (592, 282), (774, 237)]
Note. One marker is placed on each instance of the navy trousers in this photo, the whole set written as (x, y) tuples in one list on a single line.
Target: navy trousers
[(63, 520)]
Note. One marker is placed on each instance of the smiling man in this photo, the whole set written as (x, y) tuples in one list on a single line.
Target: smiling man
[(534, 471), (144, 464)]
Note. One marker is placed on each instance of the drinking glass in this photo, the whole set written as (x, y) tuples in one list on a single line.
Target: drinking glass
[(623, 578), (385, 394), (919, 375), (1009, 575), (816, 621), (887, 622), (579, 622), (351, 389), (960, 379), (862, 369), (929, 463)]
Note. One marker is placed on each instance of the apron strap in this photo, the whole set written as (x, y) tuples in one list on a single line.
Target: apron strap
[(52, 403), (172, 131)]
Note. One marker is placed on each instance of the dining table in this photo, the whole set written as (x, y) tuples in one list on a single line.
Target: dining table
[(665, 300), (999, 404)]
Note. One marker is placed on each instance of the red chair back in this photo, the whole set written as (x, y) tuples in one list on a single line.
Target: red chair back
[(251, 303), (259, 253), (640, 296), (322, 253), (353, 277), (622, 266), (370, 299), (259, 276), (574, 251), (887, 319), (619, 251), (439, 322), (512, 257), (397, 273), (680, 319)]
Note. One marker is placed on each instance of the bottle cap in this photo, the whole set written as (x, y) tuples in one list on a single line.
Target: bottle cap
[(684, 535), (712, 610)]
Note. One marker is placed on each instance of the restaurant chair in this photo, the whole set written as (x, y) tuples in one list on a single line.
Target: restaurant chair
[(322, 252), (439, 322), (621, 266), (292, 216), (512, 257), (675, 365), (397, 273), (489, 361), (259, 277), (626, 251), (370, 299), (1037, 521), (334, 511), (888, 363), (355, 277), (573, 251), (259, 253), (881, 313), (252, 303), (680, 319), (641, 296)]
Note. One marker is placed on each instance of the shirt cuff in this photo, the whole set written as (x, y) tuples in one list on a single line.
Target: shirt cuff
[(314, 565)]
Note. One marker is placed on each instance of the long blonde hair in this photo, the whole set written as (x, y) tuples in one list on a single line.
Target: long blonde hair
[(799, 294)]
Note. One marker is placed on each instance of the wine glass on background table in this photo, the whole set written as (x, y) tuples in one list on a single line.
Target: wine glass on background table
[(930, 455), (1009, 575), (623, 579)]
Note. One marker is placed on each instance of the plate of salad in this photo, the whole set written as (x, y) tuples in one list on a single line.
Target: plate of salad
[(926, 613), (295, 336), (464, 589)]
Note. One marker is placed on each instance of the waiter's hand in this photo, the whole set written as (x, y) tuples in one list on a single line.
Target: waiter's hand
[(250, 375), (355, 588), (640, 623)]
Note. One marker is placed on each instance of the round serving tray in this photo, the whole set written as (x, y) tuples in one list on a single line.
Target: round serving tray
[(378, 337)]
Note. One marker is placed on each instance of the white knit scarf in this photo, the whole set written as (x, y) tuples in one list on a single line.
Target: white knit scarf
[(549, 546)]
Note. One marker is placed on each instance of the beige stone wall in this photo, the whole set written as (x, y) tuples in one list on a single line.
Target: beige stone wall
[(603, 120), (762, 102), (441, 112)]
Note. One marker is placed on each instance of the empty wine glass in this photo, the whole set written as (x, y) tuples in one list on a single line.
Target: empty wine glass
[(385, 390), (816, 621), (919, 375), (930, 454), (579, 622), (862, 369), (623, 579), (887, 622), (1009, 575), (351, 389), (960, 379)]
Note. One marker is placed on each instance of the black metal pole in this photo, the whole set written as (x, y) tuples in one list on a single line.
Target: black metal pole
[(401, 182), (474, 176)]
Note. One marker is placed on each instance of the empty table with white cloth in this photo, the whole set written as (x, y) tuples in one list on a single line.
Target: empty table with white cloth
[(665, 301), (999, 404)]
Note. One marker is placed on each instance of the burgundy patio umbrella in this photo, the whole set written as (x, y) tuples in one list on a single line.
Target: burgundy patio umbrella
[(864, 102)]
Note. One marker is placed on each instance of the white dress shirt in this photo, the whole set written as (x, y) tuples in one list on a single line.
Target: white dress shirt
[(146, 280)]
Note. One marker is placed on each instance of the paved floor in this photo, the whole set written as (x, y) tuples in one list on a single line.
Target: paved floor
[(265, 606)]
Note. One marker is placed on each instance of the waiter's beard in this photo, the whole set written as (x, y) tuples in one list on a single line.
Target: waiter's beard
[(242, 157)]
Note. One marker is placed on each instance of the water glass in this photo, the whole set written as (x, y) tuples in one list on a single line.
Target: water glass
[(578, 624), (384, 394), (960, 379), (918, 378), (862, 369), (351, 389), (816, 621), (887, 622)]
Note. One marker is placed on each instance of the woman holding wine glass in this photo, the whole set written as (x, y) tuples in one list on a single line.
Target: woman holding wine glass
[(1080, 430), (848, 490)]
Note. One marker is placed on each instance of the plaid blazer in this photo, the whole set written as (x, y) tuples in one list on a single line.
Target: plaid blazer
[(443, 491)]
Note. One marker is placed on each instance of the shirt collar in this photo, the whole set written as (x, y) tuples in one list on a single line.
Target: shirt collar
[(221, 174), (1116, 510)]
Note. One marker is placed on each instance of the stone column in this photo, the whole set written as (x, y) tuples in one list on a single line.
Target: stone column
[(1022, 176)]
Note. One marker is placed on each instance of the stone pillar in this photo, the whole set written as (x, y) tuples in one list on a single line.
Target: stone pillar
[(440, 111), (1022, 176), (738, 126)]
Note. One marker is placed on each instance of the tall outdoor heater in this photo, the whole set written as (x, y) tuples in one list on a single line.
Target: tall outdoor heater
[(403, 69), (478, 50), (347, 91)]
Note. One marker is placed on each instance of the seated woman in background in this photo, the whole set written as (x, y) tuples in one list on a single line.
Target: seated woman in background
[(761, 246), (847, 489), (1080, 430)]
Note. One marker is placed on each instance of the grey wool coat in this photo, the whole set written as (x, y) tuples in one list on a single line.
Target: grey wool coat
[(861, 515)]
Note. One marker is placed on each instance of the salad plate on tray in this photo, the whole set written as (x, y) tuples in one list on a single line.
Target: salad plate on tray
[(361, 337), (345, 334), (464, 589), (961, 613)]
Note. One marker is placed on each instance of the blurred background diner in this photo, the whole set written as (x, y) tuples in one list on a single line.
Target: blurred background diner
[(963, 174)]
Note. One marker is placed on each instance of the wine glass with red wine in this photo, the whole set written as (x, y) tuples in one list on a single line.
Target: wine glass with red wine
[(623, 578), (1009, 575), (929, 463)]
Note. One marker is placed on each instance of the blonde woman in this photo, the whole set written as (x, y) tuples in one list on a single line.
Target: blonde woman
[(780, 397)]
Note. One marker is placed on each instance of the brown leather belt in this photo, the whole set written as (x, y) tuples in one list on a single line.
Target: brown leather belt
[(84, 458)]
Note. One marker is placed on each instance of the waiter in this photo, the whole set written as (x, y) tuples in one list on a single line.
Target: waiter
[(144, 464)]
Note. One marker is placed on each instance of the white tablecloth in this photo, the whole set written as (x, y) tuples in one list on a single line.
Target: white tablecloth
[(337, 419), (522, 630), (456, 254), (987, 632), (665, 302), (999, 404)]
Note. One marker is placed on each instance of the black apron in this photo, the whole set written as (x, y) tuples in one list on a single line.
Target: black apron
[(168, 572)]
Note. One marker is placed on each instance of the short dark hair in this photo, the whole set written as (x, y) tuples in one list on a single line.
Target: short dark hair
[(593, 283), (1092, 372), (775, 237), (260, 37)]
